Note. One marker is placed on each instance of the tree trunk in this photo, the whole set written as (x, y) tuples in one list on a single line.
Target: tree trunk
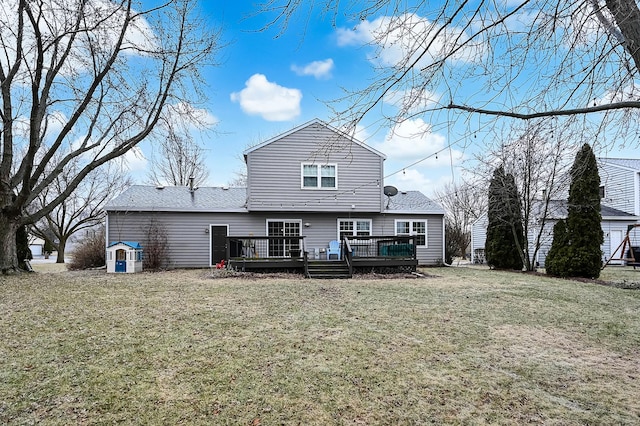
[(627, 16), (8, 251), (62, 245)]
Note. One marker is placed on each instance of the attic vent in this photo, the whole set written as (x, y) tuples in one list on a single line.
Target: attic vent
[(159, 187), (225, 188)]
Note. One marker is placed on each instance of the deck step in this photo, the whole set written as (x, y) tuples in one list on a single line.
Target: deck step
[(328, 269)]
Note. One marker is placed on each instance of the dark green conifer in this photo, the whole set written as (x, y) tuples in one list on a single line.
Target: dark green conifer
[(580, 253), (505, 236)]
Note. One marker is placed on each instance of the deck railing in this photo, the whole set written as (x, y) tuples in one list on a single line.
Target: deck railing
[(366, 246), (255, 247), (352, 248)]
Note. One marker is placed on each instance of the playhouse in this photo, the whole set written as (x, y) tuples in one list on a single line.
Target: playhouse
[(125, 257)]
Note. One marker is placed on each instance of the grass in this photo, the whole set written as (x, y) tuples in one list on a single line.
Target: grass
[(470, 346)]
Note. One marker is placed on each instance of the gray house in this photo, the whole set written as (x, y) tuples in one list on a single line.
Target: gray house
[(305, 188)]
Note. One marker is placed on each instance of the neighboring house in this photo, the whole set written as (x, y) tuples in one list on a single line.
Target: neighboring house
[(620, 183), (305, 188), (614, 225), (620, 207), (36, 245)]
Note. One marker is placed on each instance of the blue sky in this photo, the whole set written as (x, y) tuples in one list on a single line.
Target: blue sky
[(269, 82)]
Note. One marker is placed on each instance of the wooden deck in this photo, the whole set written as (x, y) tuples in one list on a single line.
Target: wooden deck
[(378, 253)]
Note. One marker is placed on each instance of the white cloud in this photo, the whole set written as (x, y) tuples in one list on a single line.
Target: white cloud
[(624, 94), (411, 180), (134, 160), (318, 69), (189, 118), (399, 40), (101, 18), (413, 140), (268, 100)]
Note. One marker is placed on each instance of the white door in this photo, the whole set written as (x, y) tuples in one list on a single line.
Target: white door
[(615, 239)]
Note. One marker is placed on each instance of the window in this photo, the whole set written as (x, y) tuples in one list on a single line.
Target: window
[(352, 227), (319, 176), (415, 228), (283, 228), (602, 192)]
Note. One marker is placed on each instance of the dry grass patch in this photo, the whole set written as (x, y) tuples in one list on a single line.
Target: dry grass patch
[(470, 346)]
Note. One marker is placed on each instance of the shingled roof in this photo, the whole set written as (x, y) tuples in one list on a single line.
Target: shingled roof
[(629, 163), (412, 202), (223, 199), (180, 198)]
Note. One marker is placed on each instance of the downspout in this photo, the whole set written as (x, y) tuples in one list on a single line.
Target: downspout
[(444, 244), (636, 190), (106, 232)]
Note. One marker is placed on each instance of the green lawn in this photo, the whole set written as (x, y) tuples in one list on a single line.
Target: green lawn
[(470, 346)]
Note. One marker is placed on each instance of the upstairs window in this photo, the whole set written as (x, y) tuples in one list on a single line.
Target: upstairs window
[(316, 176)]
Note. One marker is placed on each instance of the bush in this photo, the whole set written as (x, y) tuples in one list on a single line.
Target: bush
[(155, 247), (90, 253)]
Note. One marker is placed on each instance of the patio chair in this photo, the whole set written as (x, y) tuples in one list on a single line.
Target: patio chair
[(334, 248)]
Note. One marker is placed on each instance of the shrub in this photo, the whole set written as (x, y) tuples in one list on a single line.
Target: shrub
[(155, 247), (89, 253), (557, 261)]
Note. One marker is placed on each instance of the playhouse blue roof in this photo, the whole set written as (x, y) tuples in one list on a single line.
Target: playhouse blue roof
[(132, 244)]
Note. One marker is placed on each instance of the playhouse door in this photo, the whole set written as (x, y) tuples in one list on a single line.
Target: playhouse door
[(121, 260)]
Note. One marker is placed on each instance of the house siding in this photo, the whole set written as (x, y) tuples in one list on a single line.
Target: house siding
[(621, 188), (274, 173), (479, 236), (189, 243)]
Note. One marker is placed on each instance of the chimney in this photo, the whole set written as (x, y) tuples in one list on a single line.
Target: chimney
[(191, 183)]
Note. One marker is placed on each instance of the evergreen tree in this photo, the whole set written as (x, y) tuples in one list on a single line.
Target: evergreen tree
[(579, 252), (556, 263), (505, 237)]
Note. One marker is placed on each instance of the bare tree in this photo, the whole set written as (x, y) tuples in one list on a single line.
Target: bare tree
[(539, 159), (179, 160), (515, 60), (86, 80), (82, 209), (463, 203)]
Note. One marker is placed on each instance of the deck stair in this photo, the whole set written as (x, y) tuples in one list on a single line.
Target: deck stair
[(328, 269)]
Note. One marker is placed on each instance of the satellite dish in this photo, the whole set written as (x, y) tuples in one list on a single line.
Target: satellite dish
[(390, 191)]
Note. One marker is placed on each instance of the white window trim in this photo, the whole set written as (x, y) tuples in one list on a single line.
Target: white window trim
[(411, 232), (319, 177), (354, 220), (298, 221)]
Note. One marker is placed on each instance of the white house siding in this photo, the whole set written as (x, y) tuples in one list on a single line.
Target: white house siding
[(274, 173), (478, 235), (189, 242), (609, 225), (621, 187)]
